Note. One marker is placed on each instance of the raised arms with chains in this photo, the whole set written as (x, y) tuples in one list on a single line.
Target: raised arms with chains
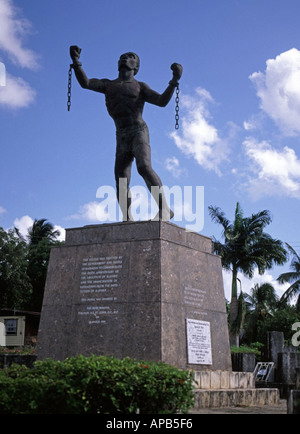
[(177, 72)]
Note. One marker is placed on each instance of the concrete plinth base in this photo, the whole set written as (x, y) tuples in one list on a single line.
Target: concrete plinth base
[(222, 389), (146, 290), (235, 397)]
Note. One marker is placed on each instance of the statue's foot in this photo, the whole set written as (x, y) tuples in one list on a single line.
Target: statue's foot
[(129, 218), (165, 215)]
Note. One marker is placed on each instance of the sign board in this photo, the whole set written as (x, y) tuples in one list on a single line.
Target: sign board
[(198, 342)]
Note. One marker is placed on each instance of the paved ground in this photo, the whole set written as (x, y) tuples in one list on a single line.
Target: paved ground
[(274, 409)]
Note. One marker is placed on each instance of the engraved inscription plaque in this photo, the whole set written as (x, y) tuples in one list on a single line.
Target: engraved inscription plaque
[(198, 342), (98, 286), (194, 298)]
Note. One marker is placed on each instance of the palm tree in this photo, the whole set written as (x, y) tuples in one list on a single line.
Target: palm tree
[(262, 302), (41, 229), (246, 248), (41, 237), (292, 277)]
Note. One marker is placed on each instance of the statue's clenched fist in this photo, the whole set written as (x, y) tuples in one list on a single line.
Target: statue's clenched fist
[(75, 52), (177, 71)]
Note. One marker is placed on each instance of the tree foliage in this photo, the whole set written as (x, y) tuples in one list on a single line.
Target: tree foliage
[(292, 277), (246, 247), (41, 237), (260, 305), (15, 285), (23, 265)]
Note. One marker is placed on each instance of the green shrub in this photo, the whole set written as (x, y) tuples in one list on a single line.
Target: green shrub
[(254, 348), (95, 385)]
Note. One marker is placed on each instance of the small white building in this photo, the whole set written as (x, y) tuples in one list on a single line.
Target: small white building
[(12, 331)]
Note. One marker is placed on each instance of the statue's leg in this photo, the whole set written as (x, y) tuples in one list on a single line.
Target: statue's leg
[(123, 165), (142, 153)]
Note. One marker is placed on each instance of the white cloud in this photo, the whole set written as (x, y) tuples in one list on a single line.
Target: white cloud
[(248, 284), (92, 211), (2, 210), (200, 139), (173, 166), (276, 173), (17, 93), (255, 122), (14, 91), (62, 232), (13, 28), (23, 224), (279, 90)]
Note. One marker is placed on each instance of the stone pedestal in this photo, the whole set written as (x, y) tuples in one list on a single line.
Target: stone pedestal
[(147, 290), (220, 389)]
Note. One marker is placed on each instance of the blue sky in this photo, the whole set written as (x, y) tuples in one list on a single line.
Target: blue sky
[(239, 107)]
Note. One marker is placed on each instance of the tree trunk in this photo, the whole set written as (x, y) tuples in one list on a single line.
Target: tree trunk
[(233, 332), (234, 311)]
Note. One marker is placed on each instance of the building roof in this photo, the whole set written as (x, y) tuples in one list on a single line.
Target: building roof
[(15, 312)]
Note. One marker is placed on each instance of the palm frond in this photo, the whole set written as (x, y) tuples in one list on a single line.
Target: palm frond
[(218, 216), (288, 277), (290, 292)]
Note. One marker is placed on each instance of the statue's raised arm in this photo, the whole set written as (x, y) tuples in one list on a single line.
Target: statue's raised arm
[(85, 82), (163, 99)]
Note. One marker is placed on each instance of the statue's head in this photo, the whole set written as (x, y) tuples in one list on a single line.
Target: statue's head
[(130, 60)]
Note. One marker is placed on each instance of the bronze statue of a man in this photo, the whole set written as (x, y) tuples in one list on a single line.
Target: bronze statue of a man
[(125, 98)]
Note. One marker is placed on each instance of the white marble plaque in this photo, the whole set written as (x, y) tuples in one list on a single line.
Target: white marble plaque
[(198, 342)]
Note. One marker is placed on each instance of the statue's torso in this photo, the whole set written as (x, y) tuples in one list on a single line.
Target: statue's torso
[(124, 102)]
